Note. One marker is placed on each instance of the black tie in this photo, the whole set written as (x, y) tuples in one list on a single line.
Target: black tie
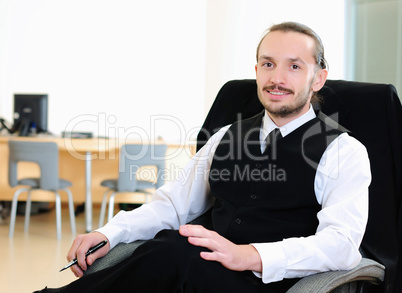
[(273, 136)]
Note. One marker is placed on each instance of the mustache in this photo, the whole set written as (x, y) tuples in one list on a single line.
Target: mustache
[(279, 88)]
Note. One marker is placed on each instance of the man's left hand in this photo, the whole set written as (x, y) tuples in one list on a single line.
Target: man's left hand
[(232, 256)]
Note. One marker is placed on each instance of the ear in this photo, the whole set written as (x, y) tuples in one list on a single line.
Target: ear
[(256, 69), (321, 77)]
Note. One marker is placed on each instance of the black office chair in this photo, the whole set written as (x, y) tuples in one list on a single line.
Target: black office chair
[(373, 113)]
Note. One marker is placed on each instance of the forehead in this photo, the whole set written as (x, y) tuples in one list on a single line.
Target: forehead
[(288, 45)]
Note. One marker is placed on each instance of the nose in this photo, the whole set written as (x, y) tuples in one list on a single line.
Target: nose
[(278, 75)]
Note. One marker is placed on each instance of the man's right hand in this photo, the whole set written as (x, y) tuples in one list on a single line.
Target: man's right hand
[(81, 245)]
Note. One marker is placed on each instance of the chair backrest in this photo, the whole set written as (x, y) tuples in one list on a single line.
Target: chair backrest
[(135, 156), (373, 113), (45, 154)]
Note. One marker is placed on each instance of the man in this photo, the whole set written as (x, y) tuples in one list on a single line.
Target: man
[(268, 230)]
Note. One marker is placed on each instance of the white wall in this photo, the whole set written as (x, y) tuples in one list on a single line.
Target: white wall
[(378, 42), (114, 63), (118, 64)]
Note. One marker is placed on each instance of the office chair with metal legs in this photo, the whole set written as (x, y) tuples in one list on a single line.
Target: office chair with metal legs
[(132, 158), (46, 155)]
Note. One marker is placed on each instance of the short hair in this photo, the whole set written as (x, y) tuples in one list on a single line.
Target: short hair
[(303, 29)]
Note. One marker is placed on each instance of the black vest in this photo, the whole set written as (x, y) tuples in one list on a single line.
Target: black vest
[(268, 197)]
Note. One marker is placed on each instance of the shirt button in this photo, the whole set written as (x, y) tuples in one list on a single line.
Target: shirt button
[(253, 197), (238, 221), (258, 165)]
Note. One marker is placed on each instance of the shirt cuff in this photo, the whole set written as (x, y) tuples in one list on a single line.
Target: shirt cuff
[(111, 233), (273, 260)]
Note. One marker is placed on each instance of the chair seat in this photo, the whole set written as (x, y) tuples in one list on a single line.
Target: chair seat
[(141, 185), (34, 183), (110, 183)]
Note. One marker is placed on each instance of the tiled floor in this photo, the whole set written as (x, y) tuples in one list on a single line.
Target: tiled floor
[(30, 261)]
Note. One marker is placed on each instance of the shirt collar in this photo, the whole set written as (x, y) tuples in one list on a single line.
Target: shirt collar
[(268, 125)]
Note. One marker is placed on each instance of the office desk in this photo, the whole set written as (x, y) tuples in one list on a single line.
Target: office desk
[(85, 162)]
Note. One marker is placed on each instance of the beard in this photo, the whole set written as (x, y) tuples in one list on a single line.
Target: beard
[(300, 100)]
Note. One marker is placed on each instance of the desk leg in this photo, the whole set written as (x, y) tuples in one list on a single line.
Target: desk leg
[(88, 196)]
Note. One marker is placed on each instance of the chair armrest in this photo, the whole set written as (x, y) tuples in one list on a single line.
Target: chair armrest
[(367, 270), (120, 252), (123, 250)]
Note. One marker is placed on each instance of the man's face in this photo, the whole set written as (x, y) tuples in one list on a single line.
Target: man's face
[(287, 74)]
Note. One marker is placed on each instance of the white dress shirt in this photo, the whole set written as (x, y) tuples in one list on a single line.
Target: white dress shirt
[(341, 187)]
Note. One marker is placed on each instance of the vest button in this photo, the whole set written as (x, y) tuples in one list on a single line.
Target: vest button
[(253, 197), (238, 221)]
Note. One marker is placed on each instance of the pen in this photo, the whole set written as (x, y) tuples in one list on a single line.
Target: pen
[(91, 250)]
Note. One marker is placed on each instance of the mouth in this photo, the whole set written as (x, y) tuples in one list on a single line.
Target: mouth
[(278, 92)]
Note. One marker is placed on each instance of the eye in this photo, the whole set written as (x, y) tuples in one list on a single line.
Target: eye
[(267, 64), (295, 67)]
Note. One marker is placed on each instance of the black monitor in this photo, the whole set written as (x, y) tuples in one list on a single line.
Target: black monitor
[(30, 113)]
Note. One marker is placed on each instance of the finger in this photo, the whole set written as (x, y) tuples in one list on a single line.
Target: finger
[(204, 242), (77, 271), (194, 231), (210, 256), (72, 253), (217, 245), (76, 251), (81, 251), (78, 247), (98, 254)]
